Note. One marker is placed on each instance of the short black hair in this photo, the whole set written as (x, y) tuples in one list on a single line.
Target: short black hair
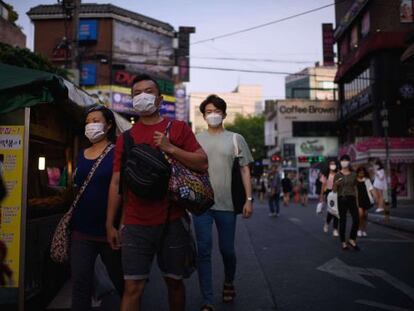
[(109, 118), (362, 169), (145, 77), (345, 157), (379, 163), (218, 102)]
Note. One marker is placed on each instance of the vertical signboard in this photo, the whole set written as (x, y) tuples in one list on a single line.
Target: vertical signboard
[(11, 151), (13, 156), (328, 44)]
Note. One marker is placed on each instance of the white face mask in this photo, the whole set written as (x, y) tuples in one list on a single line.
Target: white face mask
[(95, 132), (344, 164), (214, 119), (332, 167), (144, 104)]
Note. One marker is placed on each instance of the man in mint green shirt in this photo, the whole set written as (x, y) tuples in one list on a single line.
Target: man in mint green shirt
[(222, 147)]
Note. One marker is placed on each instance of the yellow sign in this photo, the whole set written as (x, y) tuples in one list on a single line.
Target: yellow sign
[(11, 168)]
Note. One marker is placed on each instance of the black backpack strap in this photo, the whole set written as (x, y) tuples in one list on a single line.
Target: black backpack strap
[(128, 143)]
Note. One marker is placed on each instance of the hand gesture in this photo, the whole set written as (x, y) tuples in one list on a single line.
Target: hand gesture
[(162, 142)]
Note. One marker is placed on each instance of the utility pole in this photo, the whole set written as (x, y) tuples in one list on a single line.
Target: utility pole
[(385, 125), (75, 27)]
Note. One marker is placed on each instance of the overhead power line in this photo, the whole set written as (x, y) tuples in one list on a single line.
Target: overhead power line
[(268, 23), (261, 60)]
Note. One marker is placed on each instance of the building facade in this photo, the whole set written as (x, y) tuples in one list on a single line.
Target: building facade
[(314, 83), (245, 100), (301, 134), (114, 45), (376, 85), (10, 33)]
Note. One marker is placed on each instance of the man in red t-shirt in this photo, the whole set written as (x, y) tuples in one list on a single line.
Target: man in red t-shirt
[(143, 236)]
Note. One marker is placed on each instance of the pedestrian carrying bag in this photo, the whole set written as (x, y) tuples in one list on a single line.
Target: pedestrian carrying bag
[(187, 188), (332, 204), (145, 171), (319, 208), (60, 247), (238, 193)]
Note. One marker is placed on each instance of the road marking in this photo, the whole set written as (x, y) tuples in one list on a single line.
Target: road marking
[(342, 270), (295, 220), (401, 286), (381, 306), (385, 240)]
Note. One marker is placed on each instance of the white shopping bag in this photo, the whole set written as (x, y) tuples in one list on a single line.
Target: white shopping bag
[(332, 204), (320, 207)]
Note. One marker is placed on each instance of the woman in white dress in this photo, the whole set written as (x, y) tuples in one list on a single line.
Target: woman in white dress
[(380, 185)]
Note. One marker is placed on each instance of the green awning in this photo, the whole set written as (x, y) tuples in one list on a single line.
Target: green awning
[(22, 87)]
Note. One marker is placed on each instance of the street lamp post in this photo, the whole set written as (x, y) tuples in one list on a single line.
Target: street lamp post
[(385, 126)]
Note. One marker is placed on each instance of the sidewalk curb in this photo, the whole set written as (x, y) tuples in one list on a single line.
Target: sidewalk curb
[(402, 224)]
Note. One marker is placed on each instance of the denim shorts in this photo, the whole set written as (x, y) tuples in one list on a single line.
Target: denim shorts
[(141, 243)]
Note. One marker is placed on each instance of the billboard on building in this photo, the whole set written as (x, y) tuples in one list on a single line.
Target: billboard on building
[(328, 44), (314, 146), (88, 30), (143, 51)]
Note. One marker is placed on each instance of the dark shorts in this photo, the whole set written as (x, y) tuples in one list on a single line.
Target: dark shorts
[(141, 243)]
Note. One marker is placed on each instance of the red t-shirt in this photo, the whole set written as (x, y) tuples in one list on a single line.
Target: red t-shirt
[(138, 211)]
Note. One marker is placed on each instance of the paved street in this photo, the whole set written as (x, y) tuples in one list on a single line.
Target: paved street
[(288, 263)]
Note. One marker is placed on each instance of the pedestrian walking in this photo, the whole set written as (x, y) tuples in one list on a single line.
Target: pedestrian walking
[(395, 187), (286, 188), (327, 180), (262, 187), (345, 185), (304, 189), (275, 186), (89, 217), (219, 146), (153, 226), (380, 185), (365, 194)]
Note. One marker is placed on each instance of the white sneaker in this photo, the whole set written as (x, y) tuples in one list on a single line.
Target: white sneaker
[(379, 210), (364, 234), (272, 214), (335, 233), (325, 228), (359, 233)]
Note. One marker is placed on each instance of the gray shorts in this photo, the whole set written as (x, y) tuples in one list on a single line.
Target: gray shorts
[(141, 243)]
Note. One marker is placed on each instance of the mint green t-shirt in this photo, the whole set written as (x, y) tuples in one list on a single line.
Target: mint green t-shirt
[(221, 152)]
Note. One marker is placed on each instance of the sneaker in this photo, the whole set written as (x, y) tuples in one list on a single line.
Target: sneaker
[(364, 234), (359, 233), (325, 228), (335, 233), (277, 214), (272, 214), (379, 210)]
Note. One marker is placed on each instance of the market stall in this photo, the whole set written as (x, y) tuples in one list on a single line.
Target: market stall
[(41, 131)]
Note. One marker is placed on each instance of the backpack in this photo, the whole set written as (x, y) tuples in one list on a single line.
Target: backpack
[(144, 171)]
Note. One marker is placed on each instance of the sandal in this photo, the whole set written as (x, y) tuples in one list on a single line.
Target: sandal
[(228, 293), (207, 308)]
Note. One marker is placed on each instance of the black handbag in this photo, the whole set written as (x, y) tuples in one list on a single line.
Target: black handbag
[(238, 193)]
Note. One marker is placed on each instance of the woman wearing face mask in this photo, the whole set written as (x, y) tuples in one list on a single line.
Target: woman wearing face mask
[(327, 180), (380, 185), (88, 221), (365, 199), (345, 183)]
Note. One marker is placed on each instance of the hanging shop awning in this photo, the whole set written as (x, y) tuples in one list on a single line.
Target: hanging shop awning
[(22, 87), (401, 150)]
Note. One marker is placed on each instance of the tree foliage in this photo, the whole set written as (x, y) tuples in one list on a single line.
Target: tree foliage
[(252, 129), (25, 58), (13, 15)]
